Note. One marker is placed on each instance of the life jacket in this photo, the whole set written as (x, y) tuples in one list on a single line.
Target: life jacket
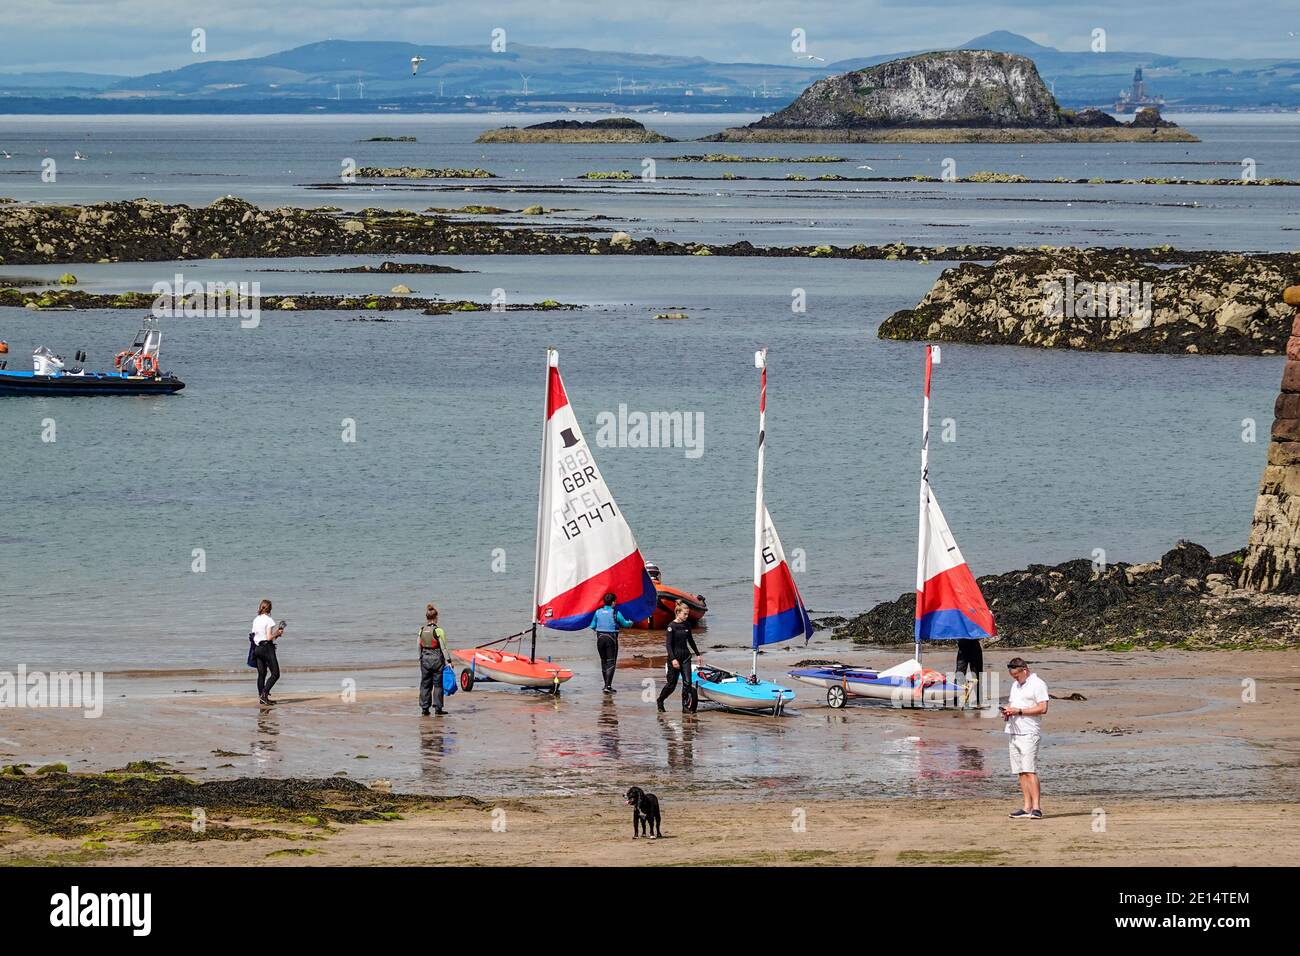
[(431, 635), (606, 620)]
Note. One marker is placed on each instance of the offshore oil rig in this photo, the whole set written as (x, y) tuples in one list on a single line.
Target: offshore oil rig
[(1130, 101)]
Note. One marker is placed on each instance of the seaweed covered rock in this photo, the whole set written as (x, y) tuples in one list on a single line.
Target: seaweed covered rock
[(1187, 598), (1107, 301)]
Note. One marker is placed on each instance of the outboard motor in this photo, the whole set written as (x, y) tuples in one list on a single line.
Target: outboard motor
[(46, 362)]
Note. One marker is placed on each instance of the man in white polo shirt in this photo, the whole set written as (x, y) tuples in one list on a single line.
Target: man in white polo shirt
[(1025, 704)]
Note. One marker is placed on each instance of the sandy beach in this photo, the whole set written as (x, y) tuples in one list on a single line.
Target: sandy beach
[(1162, 761)]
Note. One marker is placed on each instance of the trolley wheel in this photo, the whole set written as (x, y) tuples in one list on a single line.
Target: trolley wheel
[(467, 680), (836, 697)]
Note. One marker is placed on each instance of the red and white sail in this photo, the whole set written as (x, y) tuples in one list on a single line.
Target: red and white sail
[(949, 604), (779, 612), (585, 548)]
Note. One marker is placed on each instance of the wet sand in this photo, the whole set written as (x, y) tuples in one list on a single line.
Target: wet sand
[(1164, 743), (583, 831)]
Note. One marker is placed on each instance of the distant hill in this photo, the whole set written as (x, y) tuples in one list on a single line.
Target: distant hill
[(339, 68), (375, 75), (56, 81)]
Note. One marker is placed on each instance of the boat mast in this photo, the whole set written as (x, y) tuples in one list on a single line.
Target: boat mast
[(543, 485), (931, 359), (760, 362)]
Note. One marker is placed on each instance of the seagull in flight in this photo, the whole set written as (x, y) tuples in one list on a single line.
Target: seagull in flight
[(810, 56), (866, 167), (415, 64)]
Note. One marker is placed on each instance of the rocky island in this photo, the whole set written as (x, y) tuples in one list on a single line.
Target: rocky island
[(617, 129), (953, 96)]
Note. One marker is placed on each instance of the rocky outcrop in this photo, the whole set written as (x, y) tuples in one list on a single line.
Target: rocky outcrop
[(617, 129), (1186, 599), (1273, 552), (949, 96), (954, 88), (421, 172), (141, 230), (1108, 301), (199, 304)]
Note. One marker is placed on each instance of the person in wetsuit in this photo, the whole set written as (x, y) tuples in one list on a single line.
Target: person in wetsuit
[(606, 624), (970, 661), (681, 644)]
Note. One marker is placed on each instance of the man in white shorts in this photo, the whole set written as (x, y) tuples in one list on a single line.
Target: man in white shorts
[(1026, 703)]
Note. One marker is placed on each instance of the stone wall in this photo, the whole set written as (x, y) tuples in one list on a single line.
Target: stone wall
[(1273, 552)]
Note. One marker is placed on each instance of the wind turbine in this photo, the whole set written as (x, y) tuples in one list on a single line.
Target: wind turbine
[(525, 79), (361, 88)]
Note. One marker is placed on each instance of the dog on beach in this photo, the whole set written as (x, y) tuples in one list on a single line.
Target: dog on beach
[(645, 812)]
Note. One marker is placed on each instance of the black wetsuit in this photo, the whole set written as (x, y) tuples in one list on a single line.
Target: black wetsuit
[(970, 659), (681, 645)]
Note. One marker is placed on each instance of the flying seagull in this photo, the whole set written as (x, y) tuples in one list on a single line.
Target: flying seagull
[(810, 56), (866, 167), (415, 64)]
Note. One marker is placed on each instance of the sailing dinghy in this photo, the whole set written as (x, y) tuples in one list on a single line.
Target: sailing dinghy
[(949, 605), (779, 612), (585, 550)]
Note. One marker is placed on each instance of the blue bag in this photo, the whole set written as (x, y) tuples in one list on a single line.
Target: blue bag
[(448, 680)]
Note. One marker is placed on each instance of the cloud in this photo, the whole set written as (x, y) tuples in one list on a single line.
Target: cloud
[(137, 36)]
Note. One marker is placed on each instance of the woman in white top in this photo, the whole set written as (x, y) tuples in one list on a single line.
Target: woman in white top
[(264, 632)]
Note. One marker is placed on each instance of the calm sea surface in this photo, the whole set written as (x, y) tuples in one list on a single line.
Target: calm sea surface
[(1052, 455)]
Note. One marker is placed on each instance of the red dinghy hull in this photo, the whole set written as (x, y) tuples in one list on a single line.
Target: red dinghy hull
[(511, 668)]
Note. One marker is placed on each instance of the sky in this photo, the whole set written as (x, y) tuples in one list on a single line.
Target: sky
[(139, 36)]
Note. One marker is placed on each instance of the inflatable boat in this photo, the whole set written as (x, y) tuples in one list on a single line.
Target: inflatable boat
[(666, 598), (135, 372)]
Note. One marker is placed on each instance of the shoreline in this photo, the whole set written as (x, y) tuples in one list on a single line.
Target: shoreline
[(1161, 724), (957, 134)]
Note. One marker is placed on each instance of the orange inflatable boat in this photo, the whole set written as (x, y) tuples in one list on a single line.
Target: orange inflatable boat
[(666, 608)]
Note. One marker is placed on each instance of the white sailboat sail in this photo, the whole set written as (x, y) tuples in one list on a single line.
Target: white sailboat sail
[(585, 548)]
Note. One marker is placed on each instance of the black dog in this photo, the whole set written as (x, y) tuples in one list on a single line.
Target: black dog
[(645, 810)]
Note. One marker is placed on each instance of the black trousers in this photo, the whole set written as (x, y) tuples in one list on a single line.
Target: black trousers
[(264, 656), (684, 672), (607, 647), (431, 665), (970, 659)]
